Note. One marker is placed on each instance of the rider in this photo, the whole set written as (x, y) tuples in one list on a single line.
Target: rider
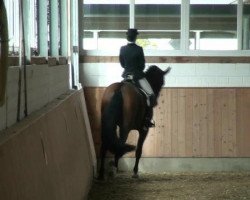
[(133, 61)]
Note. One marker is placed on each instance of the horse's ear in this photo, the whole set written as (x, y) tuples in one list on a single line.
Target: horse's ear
[(167, 70)]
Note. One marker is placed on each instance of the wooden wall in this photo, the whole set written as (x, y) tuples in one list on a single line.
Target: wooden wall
[(48, 154), (190, 122)]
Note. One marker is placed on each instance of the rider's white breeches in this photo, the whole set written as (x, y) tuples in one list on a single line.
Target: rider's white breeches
[(146, 86)]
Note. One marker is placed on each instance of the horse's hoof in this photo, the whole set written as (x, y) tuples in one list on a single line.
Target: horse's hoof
[(135, 176)]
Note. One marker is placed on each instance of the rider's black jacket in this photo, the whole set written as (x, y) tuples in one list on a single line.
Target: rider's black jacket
[(132, 60)]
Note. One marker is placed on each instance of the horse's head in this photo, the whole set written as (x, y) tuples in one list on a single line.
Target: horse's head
[(155, 77)]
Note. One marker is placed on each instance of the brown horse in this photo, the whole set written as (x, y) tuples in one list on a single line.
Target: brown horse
[(125, 106)]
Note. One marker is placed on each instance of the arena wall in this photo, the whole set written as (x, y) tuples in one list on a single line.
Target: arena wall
[(203, 109), (49, 154)]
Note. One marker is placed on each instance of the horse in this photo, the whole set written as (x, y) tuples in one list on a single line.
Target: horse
[(124, 106)]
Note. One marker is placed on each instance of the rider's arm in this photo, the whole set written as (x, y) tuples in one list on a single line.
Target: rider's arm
[(121, 59), (142, 60)]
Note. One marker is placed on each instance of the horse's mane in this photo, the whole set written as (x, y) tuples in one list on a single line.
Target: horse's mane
[(155, 77), (153, 69)]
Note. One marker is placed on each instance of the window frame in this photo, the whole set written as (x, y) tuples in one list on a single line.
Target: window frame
[(184, 50)]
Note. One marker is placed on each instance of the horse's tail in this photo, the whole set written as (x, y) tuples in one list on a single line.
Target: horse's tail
[(110, 118)]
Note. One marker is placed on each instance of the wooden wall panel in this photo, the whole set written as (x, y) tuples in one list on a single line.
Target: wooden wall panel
[(93, 100), (47, 155), (210, 122), (191, 122), (243, 122)]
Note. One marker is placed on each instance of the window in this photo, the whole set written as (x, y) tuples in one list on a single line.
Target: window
[(159, 24), (42, 27), (213, 25), (203, 25), (12, 9), (33, 28), (105, 23)]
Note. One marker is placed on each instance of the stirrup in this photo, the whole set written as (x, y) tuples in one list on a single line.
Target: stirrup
[(149, 123), (152, 100)]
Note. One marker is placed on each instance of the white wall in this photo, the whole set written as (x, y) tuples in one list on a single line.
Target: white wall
[(181, 75), (44, 83)]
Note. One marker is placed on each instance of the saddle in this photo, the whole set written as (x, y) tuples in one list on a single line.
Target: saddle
[(150, 99)]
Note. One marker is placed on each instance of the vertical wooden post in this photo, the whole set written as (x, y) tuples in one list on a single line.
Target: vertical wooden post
[(64, 28), (74, 26), (25, 12), (42, 28), (81, 27), (132, 14), (185, 9), (239, 23), (54, 34), (25, 22), (4, 47)]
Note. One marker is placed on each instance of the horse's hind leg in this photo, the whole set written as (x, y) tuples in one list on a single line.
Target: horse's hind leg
[(142, 136), (116, 156), (102, 154), (123, 135)]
